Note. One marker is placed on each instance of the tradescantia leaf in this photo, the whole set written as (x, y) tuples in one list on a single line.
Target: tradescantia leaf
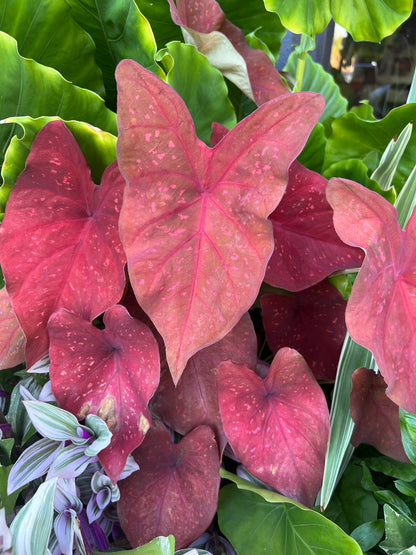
[(12, 338), (33, 463), (54, 95), (277, 427), (202, 230), (176, 489), (32, 525), (98, 147), (119, 30), (380, 313), (254, 525), (46, 32), (199, 84), (112, 373), (77, 225)]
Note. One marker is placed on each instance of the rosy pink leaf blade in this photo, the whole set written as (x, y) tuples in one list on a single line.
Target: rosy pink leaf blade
[(193, 222), (381, 311), (112, 373), (60, 245), (277, 427), (176, 489), (12, 338)]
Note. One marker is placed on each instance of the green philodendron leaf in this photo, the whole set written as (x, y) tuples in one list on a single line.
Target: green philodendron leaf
[(254, 525), (316, 79), (201, 86), (157, 12), (363, 139), (368, 535), (46, 32), (391, 467), (312, 155), (98, 147), (252, 17), (162, 545), (408, 431), (400, 533), (394, 501), (357, 171), (119, 31), (31, 526), (308, 17), (55, 96), (370, 20), (351, 504)]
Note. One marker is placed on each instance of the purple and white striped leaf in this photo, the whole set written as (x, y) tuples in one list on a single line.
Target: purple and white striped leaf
[(381, 310), (60, 245), (194, 219), (277, 427)]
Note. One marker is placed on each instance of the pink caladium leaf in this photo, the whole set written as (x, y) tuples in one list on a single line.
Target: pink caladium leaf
[(381, 310), (176, 489), (112, 373), (375, 416), (194, 219), (205, 25), (277, 427), (311, 321), (194, 401), (306, 246), (12, 338), (60, 245)]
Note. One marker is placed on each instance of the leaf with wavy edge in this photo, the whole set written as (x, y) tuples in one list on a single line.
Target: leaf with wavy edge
[(381, 311), (112, 373), (12, 338), (193, 222), (277, 427), (60, 245)]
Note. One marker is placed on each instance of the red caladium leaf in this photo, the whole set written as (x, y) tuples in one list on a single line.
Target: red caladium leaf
[(12, 338), (60, 245), (205, 25), (312, 322), (278, 427), (307, 249), (194, 401), (194, 219), (375, 416), (381, 311), (112, 373), (176, 489)]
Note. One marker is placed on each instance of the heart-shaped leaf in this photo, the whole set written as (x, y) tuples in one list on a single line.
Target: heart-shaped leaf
[(306, 247), (277, 427), (12, 338), (194, 401), (375, 416), (226, 48), (60, 245), (381, 311), (176, 489), (193, 221), (112, 373), (312, 322)]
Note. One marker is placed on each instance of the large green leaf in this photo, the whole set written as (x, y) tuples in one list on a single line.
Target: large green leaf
[(201, 86), (302, 16), (119, 31), (162, 545), (353, 137), (55, 96), (400, 533), (370, 20), (46, 32), (316, 79), (157, 12), (98, 147), (254, 525)]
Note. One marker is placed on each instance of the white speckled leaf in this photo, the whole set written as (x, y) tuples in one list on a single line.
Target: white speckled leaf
[(194, 219)]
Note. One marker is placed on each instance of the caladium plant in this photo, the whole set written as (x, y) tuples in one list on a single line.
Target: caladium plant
[(183, 304)]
